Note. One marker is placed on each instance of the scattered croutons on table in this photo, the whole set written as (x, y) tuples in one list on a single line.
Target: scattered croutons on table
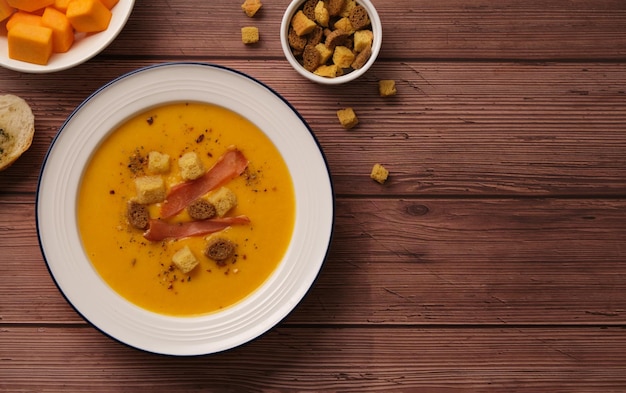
[(347, 118), (251, 7), (379, 173), (249, 35), (387, 87)]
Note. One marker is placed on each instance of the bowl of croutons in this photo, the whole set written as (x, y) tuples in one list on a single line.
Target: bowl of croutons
[(331, 41)]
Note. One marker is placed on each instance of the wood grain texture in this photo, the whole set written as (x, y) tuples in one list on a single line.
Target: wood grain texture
[(417, 262), (453, 129), (493, 259), (322, 359)]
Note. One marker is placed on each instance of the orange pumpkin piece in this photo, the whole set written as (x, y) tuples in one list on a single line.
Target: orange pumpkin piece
[(61, 5), (5, 10), (109, 3), (23, 17), (88, 16), (30, 5), (62, 31), (30, 43)]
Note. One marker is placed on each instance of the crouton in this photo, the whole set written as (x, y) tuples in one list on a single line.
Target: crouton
[(329, 71), (219, 249), (335, 6), (224, 200), (345, 25), (150, 189), (201, 209), (347, 118), (296, 42), (251, 7), (362, 57), (249, 35), (363, 39), (311, 58), (325, 52), (190, 166), (322, 17), (138, 215), (343, 56), (158, 162), (387, 87), (302, 24), (184, 260), (379, 173), (359, 17)]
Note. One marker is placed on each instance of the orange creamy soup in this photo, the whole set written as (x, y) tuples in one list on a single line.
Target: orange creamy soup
[(143, 270)]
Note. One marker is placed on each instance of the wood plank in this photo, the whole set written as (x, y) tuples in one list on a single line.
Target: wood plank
[(414, 261), (321, 359), (412, 29), (453, 129)]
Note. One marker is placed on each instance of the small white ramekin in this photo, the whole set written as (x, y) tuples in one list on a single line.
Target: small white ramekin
[(377, 30)]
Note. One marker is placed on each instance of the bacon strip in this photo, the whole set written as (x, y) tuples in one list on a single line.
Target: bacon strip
[(160, 230), (230, 165)]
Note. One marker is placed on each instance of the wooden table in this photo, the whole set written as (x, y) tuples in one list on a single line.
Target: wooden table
[(494, 258)]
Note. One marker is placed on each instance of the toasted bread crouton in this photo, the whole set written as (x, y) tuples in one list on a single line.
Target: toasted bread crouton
[(184, 260), (138, 215), (158, 162), (343, 56), (301, 24), (362, 57), (201, 209), (345, 25), (296, 42), (335, 6), (325, 52), (190, 166), (249, 35), (336, 37), (311, 58), (219, 249), (387, 87), (251, 7), (150, 189), (347, 7), (363, 39), (379, 173), (359, 17), (224, 200), (322, 17), (347, 118), (329, 71)]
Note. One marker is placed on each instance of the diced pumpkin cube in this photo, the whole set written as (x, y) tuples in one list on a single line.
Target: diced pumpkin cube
[(109, 3), (29, 43), (62, 30), (30, 5), (88, 16), (61, 5), (23, 17), (5, 10)]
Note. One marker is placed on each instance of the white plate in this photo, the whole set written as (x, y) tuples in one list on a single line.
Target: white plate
[(83, 49), (105, 110)]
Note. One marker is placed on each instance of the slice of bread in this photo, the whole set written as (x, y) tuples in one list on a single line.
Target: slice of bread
[(17, 128)]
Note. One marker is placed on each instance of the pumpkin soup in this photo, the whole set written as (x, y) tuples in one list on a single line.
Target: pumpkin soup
[(186, 209)]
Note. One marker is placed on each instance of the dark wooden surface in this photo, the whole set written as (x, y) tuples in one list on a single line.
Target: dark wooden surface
[(494, 259)]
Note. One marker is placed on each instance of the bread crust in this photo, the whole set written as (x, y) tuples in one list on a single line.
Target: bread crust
[(17, 128)]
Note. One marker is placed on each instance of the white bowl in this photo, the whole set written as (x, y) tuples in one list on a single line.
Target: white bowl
[(103, 112), (377, 29), (83, 49)]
